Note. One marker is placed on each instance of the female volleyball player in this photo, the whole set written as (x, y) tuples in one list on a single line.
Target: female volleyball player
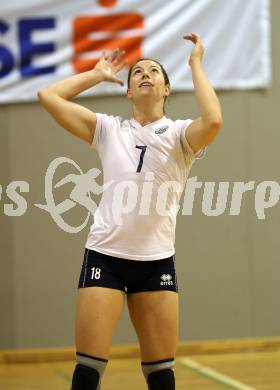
[(130, 247)]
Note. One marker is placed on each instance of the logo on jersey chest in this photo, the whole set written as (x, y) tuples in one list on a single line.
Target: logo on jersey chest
[(161, 130)]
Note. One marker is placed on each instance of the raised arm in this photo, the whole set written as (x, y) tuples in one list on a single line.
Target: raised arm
[(73, 117), (204, 129)]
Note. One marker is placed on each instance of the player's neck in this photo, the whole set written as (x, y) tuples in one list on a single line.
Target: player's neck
[(146, 115)]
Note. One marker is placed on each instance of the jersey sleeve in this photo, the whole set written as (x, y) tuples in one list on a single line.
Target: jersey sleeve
[(105, 124), (182, 131)]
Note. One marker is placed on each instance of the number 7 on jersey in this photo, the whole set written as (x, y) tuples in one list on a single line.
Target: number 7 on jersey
[(143, 151)]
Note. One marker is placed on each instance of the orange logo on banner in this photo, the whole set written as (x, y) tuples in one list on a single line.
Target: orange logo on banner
[(107, 3), (112, 31)]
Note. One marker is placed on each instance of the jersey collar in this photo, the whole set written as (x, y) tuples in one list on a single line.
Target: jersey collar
[(135, 123)]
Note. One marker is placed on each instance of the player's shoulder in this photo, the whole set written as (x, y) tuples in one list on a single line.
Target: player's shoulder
[(178, 124), (109, 119), (109, 116)]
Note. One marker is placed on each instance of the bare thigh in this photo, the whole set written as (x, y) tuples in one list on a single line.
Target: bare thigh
[(98, 312), (154, 315)]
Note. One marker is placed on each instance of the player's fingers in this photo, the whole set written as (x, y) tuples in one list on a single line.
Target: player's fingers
[(189, 37), (193, 37), (110, 55), (121, 65), (105, 55), (197, 38), (119, 58), (115, 54)]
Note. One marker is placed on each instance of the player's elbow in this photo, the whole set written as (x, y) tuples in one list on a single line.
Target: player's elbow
[(43, 96), (212, 129), (214, 126), (215, 123), (48, 100)]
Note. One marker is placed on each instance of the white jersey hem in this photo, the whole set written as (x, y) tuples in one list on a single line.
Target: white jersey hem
[(131, 257)]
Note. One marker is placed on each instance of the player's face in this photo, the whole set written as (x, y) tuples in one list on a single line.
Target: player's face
[(147, 81)]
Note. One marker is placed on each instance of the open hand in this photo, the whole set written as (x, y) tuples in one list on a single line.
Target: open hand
[(198, 49), (110, 64)]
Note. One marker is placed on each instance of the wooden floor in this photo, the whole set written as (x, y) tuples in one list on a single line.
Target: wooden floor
[(239, 371)]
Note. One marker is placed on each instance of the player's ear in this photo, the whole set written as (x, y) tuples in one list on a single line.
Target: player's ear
[(167, 90), (129, 94)]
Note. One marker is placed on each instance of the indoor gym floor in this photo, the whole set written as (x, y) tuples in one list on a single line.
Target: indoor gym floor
[(259, 370)]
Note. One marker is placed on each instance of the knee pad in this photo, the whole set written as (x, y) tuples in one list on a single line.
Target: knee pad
[(159, 375), (88, 372)]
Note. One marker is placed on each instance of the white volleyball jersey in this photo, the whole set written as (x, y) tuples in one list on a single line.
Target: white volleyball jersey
[(144, 173)]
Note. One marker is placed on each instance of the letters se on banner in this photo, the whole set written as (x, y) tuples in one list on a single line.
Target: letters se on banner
[(42, 41)]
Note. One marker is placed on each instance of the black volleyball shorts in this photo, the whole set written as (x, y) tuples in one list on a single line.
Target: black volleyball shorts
[(130, 276)]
